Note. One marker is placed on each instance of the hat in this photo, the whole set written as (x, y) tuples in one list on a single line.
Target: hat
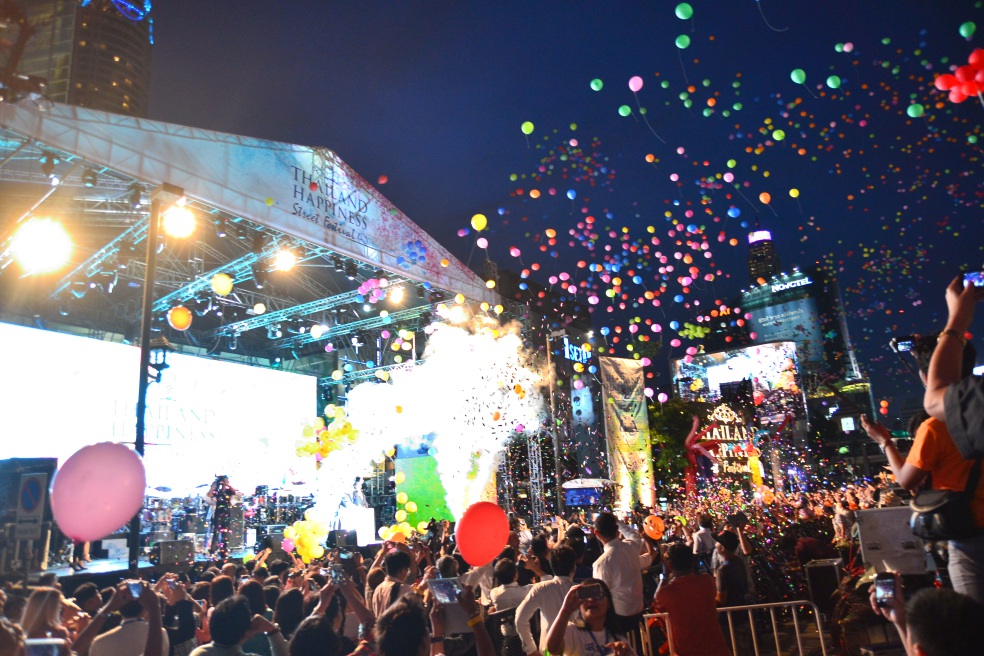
[(728, 540)]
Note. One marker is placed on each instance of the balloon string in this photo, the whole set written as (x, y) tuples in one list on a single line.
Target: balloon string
[(766, 20), (769, 205), (981, 98), (808, 91), (799, 206), (680, 57), (646, 119)]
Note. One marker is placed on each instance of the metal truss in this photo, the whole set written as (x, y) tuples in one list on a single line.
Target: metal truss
[(341, 329), (268, 318), (369, 372)]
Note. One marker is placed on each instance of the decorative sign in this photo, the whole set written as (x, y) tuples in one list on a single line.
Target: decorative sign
[(575, 353), (783, 286), (738, 456), (30, 506)]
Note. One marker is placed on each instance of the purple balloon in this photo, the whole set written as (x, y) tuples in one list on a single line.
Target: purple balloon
[(662, 398), (98, 490)]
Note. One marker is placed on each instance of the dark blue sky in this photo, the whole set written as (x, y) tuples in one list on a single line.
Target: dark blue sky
[(432, 95)]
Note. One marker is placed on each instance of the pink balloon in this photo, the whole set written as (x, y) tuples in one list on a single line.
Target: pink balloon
[(635, 83), (482, 242), (662, 398), (98, 490), (287, 544)]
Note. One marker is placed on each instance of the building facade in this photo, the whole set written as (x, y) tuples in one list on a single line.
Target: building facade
[(763, 260)]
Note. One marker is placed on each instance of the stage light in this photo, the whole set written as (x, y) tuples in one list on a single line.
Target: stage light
[(89, 178), (41, 246), (220, 228), (367, 308), (48, 162), (421, 292), (179, 221), (339, 267), (284, 260), (78, 288), (317, 330), (274, 332), (135, 197), (222, 284), (259, 275), (351, 270), (396, 296), (259, 308)]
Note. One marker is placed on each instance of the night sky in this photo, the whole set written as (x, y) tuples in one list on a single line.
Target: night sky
[(432, 95)]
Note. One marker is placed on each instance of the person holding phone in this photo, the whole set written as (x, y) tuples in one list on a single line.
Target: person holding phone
[(596, 632), (130, 637)]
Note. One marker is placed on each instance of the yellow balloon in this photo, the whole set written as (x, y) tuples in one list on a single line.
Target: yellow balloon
[(405, 528), (422, 527), (248, 556), (401, 515), (319, 424), (317, 552), (390, 453), (411, 507), (402, 497), (400, 477), (794, 193), (479, 222), (290, 533), (222, 284), (383, 532)]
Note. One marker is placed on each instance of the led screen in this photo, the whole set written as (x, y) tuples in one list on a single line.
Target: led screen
[(795, 321), (61, 392)]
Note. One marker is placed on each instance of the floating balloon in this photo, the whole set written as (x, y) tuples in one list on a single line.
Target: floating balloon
[(683, 42), (654, 527), (179, 317), (833, 82), (596, 84), (97, 490), (635, 83), (798, 76), (527, 127), (479, 222), (914, 110), (765, 197), (662, 397), (222, 284), (794, 193), (624, 110), (683, 11), (967, 29), (481, 533)]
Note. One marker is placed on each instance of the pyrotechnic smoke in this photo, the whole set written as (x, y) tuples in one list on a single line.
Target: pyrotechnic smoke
[(476, 388)]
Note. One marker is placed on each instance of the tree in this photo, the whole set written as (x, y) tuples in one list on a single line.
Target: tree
[(669, 424)]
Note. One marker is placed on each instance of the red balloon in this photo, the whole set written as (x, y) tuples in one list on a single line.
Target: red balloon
[(976, 58), (945, 82), (482, 533), (969, 88), (964, 73), (979, 78), (957, 96)]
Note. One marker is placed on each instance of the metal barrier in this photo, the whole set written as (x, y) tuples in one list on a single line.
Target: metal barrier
[(793, 606)]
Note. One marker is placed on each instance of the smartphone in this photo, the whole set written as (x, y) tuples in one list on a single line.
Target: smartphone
[(171, 583), (445, 591), (337, 574), (884, 588), (44, 646), (975, 278), (592, 591), (135, 588)]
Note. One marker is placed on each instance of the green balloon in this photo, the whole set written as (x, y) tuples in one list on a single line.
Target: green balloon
[(967, 29), (688, 103), (914, 111), (732, 163), (838, 47), (684, 11), (527, 127), (683, 42), (833, 82), (665, 84), (972, 139), (778, 135), (596, 84), (798, 76), (624, 110)]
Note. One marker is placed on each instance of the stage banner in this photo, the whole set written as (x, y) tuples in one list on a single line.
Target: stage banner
[(627, 430)]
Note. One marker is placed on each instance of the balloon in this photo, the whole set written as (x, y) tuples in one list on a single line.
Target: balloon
[(778, 135), (683, 42), (290, 532), (401, 515), (527, 127), (765, 197), (221, 284), (179, 317), (399, 477), (798, 76), (833, 82), (596, 84), (422, 527), (945, 82), (635, 83), (794, 193), (662, 397), (967, 29), (683, 12), (402, 497), (481, 533), (976, 59), (624, 110), (654, 527), (97, 490), (411, 507), (915, 111), (288, 545), (248, 556), (399, 536), (479, 222)]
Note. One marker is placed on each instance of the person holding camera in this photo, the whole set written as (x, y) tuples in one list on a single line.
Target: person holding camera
[(597, 632)]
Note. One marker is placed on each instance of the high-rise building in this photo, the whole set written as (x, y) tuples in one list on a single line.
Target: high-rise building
[(94, 53), (763, 260)]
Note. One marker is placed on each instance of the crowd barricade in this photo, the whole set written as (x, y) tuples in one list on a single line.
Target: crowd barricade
[(759, 615)]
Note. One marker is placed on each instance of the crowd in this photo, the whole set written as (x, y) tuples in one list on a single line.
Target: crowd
[(577, 586)]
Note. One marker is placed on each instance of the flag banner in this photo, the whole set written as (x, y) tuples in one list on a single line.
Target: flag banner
[(627, 431)]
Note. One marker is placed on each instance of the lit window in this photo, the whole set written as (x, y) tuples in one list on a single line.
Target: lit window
[(116, 58)]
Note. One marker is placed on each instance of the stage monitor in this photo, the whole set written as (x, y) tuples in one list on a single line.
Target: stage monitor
[(582, 496), (205, 417)]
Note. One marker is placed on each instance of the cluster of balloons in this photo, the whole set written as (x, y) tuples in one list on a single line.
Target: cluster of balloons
[(320, 439), (692, 331), (97, 490), (372, 290), (414, 252), (307, 536), (965, 81)]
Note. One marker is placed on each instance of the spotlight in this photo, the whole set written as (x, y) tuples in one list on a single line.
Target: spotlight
[(351, 270), (135, 197), (179, 221), (48, 162), (396, 296), (89, 178), (421, 293), (339, 267), (220, 228), (79, 288), (41, 245), (274, 331), (284, 260), (259, 276), (259, 308)]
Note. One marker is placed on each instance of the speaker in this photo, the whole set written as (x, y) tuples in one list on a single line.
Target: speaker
[(173, 552), (192, 523), (822, 578), (341, 538)]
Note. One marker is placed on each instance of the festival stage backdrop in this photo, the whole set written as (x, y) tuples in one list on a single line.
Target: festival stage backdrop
[(627, 429), (423, 487), (62, 392)]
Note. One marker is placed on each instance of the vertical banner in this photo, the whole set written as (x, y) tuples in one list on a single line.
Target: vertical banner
[(627, 430)]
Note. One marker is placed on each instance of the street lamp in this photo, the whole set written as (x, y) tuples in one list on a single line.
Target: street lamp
[(162, 199), (553, 426)]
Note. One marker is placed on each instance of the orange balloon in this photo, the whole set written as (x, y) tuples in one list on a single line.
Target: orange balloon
[(765, 197), (654, 527), (179, 317)]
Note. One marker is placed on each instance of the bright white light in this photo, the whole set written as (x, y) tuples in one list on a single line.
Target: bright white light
[(41, 245), (457, 314), (259, 308), (396, 295), (317, 330), (284, 260), (179, 221)]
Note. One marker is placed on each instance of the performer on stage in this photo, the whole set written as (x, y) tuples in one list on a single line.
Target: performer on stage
[(221, 494)]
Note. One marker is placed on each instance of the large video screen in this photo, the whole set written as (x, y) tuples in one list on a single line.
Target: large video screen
[(771, 369), (795, 321), (61, 392)]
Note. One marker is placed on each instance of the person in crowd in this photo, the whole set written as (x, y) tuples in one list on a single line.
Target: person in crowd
[(130, 638), (221, 494), (42, 615), (597, 632), (690, 600), (448, 567), (87, 598), (546, 597), (221, 589), (231, 624), (397, 564), (12, 639), (620, 568), (731, 577), (504, 597), (935, 456), (703, 541), (253, 591), (934, 622), (315, 637), (289, 612)]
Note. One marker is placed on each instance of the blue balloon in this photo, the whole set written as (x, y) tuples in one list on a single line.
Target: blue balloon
[(502, 211), (348, 367), (605, 330), (674, 325), (360, 299), (400, 260), (593, 369), (523, 286), (571, 194), (734, 212), (678, 298), (637, 280), (427, 285), (692, 228)]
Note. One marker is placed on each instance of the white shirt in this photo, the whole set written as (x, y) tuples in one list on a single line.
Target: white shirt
[(584, 642), (704, 541), (548, 598), (128, 639), (381, 595), (619, 567), (483, 577)]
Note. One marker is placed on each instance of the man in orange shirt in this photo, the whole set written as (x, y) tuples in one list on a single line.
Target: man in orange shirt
[(934, 452), (690, 601)]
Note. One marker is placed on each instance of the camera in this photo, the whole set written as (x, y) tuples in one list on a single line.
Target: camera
[(884, 588), (975, 278), (902, 344)]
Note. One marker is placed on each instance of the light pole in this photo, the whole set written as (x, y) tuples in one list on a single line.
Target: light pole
[(553, 426), (166, 195)]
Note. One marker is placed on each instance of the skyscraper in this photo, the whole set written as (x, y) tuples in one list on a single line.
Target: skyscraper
[(763, 260), (94, 53)]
